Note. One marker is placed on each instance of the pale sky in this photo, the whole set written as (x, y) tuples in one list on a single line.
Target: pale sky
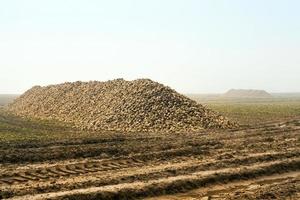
[(194, 46)]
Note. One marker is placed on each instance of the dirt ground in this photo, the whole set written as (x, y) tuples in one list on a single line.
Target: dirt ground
[(260, 161)]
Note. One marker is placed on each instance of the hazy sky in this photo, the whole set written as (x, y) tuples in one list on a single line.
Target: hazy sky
[(191, 45)]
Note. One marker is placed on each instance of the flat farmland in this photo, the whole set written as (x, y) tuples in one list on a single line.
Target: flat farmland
[(258, 160)]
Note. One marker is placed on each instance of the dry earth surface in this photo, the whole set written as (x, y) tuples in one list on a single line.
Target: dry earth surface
[(259, 160)]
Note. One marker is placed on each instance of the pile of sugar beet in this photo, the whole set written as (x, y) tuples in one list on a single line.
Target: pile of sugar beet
[(118, 105)]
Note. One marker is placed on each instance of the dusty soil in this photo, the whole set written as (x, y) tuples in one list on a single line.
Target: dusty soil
[(260, 161)]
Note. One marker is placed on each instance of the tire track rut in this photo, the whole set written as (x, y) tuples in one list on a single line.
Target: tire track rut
[(68, 170)]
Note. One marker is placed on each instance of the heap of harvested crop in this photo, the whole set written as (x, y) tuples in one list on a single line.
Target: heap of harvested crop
[(241, 93), (139, 105)]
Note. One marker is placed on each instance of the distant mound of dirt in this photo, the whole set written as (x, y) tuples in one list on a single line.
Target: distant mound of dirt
[(233, 93), (7, 98), (139, 105)]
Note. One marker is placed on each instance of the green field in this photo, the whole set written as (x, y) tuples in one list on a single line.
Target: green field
[(252, 111), (14, 130)]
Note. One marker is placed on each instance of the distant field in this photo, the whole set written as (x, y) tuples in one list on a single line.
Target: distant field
[(245, 111), (7, 98)]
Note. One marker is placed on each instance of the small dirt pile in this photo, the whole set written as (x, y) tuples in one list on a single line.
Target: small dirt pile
[(241, 93), (138, 105)]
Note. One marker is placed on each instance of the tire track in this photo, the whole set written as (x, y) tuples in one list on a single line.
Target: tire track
[(68, 170), (269, 125), (171, 185), (93, 167)]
